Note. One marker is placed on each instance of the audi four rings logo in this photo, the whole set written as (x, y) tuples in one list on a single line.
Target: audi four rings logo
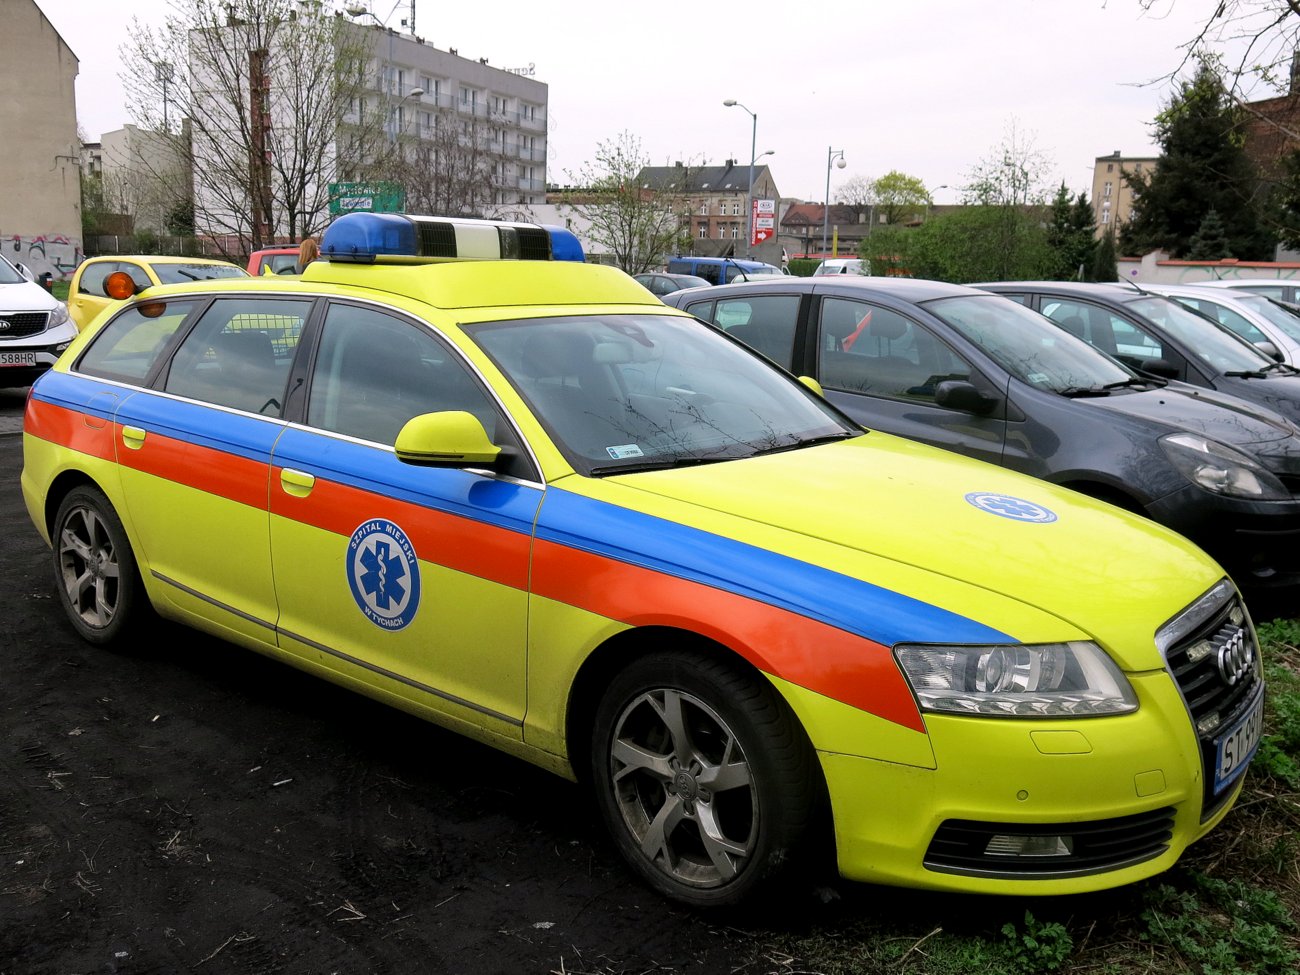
[(1235, 658)]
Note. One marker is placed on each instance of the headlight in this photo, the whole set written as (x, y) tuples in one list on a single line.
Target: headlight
[(58, 315), (1221, 469), (1016, 680)]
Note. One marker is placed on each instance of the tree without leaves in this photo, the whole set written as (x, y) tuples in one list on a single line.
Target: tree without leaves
[(637, 225), (253, 181), (1202, 167), (449, 169)]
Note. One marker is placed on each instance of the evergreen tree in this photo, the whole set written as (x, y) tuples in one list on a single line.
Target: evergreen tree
[(1203, 167), (1103, 259), (1071, 233), (1210, 242)]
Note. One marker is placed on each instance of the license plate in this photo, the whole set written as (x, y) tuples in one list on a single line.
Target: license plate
[(1234, 749), (17, 358)]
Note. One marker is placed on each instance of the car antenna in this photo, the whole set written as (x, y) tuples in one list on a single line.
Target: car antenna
[(1135, 286)]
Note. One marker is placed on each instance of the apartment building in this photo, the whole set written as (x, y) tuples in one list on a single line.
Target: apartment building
[(1112, 199), (40, 181)]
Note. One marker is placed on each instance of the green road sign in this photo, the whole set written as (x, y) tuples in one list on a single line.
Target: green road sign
[(380, 196)]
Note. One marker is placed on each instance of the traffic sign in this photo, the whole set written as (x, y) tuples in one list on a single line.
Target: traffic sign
[(378, 196)]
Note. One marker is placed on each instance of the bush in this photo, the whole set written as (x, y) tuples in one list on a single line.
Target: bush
[(803, 267)]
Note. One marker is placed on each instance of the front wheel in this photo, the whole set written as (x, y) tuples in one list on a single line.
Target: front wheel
[(95, 570), (703, 777)]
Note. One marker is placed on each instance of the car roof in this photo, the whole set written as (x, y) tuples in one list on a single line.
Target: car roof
[(159, 259), (275, 250), (905, 289)]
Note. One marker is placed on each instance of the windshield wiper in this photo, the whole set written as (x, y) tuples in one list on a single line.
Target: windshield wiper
[(1074, 392), (1137, 381), (655, 465), (1246, 373), (800, 442), (1284, 368)]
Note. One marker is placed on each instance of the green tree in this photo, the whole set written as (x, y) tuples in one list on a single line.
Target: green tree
[(1103, 259), (980, 243), (1210, 242), (637, 225), (1203, 166), (887, 250), (897, 198), (1071, 234)]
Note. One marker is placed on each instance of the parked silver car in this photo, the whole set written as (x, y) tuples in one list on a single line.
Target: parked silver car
[(1259, 320)]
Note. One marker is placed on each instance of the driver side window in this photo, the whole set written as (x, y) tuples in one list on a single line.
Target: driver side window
[(374, 372)]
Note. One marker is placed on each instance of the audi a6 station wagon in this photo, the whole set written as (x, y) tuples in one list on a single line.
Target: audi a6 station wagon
[(521, 498)]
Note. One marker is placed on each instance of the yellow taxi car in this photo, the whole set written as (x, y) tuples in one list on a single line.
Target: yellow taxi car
[(521, 498), (87, 296)]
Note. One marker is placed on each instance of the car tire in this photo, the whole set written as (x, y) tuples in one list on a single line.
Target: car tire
[(673, 727), (95, 572)]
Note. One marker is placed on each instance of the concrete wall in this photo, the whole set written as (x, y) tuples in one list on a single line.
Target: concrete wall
[(1156, 268), (40, 180)]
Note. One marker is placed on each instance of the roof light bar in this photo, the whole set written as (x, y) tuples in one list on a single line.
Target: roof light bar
[(397, 238)]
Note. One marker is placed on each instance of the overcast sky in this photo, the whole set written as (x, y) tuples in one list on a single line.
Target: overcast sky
[(928, 87)]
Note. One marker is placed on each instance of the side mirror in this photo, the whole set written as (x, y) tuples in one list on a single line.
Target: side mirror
[(958, 394), (1159, 367), (1270, 350), (24, 270), (451, 439), (814, 385)]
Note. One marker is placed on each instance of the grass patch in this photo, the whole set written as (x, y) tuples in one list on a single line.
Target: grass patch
[(1228, 907), (60, 289)]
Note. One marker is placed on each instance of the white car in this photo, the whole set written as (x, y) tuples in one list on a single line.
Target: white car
[(841, 265), (1282, 289), (34, 328), (1256, 318)]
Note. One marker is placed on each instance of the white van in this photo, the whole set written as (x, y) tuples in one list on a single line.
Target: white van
[(841, 265)]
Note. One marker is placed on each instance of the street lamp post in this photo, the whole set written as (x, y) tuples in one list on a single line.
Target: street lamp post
[(836, 156), (753, 148)]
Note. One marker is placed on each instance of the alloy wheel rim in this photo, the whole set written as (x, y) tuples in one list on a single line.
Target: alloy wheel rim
[(684, 788), (89, 567)]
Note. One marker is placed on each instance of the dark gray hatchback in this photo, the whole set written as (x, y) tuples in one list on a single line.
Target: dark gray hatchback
[(982, 375)]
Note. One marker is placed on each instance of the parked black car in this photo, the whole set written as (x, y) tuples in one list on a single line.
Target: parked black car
[(984, 376), (662, 283), (1159, 335)]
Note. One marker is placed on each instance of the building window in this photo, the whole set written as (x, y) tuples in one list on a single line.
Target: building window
[(735, 209), (1108, 186), (1105, 217), (704, 231), (735, 231), (1110, 167), (704, 208)]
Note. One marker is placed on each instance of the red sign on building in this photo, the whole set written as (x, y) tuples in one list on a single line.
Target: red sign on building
[(763, 220)]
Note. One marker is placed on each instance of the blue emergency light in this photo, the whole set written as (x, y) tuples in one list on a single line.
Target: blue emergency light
[(398, 238)]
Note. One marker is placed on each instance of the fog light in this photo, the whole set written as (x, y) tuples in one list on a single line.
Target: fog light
[(1206, 725), (1030, 846)]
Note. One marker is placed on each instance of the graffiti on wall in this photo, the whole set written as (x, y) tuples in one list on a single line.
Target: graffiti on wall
[(57, 254)]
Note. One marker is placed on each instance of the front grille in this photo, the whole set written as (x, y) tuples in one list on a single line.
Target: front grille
[(20, 324), (962, 846), (1291, 482), (1200, 660)]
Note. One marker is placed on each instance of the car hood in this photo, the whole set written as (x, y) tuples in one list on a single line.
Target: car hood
[(1021, 556), (26, 296), (1218, 416)]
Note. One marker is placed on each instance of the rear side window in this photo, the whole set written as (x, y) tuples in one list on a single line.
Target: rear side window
[(126, 348), (93, 275), (239, 354)]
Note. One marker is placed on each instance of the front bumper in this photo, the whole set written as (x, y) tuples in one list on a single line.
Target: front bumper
[(1126, 793)]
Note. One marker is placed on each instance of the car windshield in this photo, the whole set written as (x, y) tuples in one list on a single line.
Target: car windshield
[(9, 274), (1029, 346), (620, 393), (180, 273), (755, 272), (1287, 322), (1210, 342)]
